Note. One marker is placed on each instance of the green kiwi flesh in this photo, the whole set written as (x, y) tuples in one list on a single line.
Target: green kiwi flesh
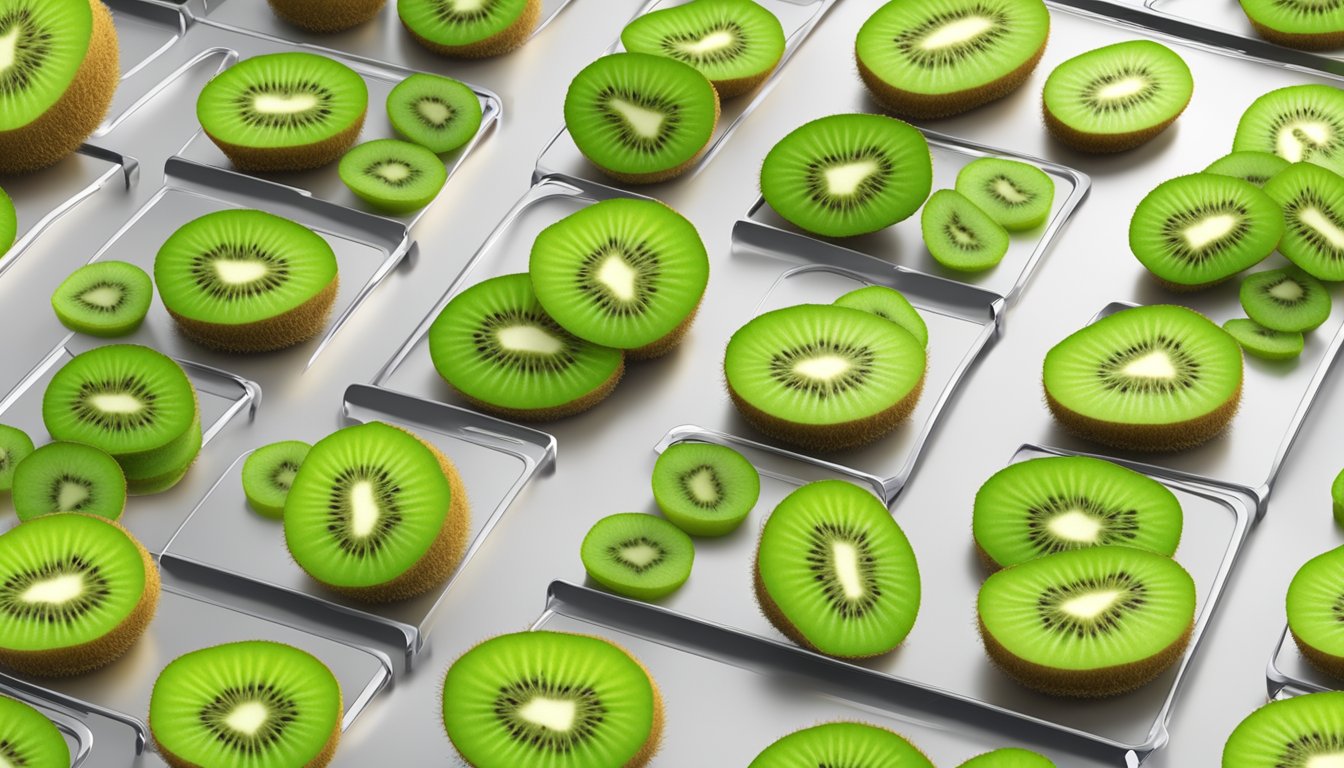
[(268, 474), (1312, 200), (471, 30), (28, 738), (736, 44), (705, 489), (326, 16), (1337, 497), (9, 223), (888, 304), (959, 235), (1254, 167), (1311, 25), (637, 555), (105, 298), (393, 176), (438, 113), (841, 744), (1299, 123), (1285, 300), (1299, 732), (1016, 195), (69, 477), (1315, 606), (1265, 343), (1009, 758), (15, 446)]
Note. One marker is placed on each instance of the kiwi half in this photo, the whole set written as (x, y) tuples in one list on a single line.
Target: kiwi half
[(15, 446), (1285, 300), (888, 304), (1315, 606), (1009, 758), (284, 111), (326, 16), (1016, 195), (105, 298), (9, 223), (959, 235), (842, 744), (736, 44), (1311, 25), (69, 477), (1265, 343), (551, 700), (637, 555), (268, 474), (471, 30), (1299, 123), (1255, 167), (255, 703), (438, 113), (1299, 732), (705, 489), (393, 176), (28, 738), (1312, 199), (62, 70)]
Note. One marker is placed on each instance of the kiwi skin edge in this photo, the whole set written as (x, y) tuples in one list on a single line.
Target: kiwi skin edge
[(505, 40), (285, 330), (1154, 438), (831, 437), (320, 760), (781, 622), (1108, 143), (928, 106), (572, 408), (326, 16), (1303, 42), (1325, 662)]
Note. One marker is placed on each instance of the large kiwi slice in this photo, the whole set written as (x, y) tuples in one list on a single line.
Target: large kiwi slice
[(1313, 210), (961, 236), (28, 739), (247, 281), (284, 111), (641, 118), (256, 703), (705, 489), (1316, 611), (938, 58), (842, 744), (824, 377), (1300, 732), (1312, 25), (835, 572), (438, 113), (1300, 123), (1256, 167), (76, 592), (1016, 195), (627, 274), (551, 700), (637, 555), (734, 43), (69, 477), (268, 474), (325, 15), (1088, 622), (471, 29), (377, 513), (888, 304), (1009, 758), (1285, 300), (496, 345), (1048, 505), (61, 69), (9, 223), (1158, 378), (15, 446), (393, 176), (105, 298)]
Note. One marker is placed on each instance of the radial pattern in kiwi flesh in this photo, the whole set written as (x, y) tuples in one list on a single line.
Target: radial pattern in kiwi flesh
[(734, 43), (1311, 25), (1299, 732), (438, 113), (705, 489), (842, 744), (1312, 199), (15, 446), (1265, 343), (1285, 300), (959, 235), (28, 738), (888, 304), (473, 29), (69, 477), (1016, 195), (1256, 167), (1008, 758), (1299, 123), (105, 298), (1315, 606), (268, 474), (637, 555), (393, 176)]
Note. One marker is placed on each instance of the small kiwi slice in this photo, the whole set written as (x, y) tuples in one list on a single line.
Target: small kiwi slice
[(325, 15), (1285, 300), (255, 703), (69, 477), (1088, 622), (835, 573), (9, 223), (1315, 607), (76, 592), (859, 745), (1009, 758), (247, 281), (1048, 505), (627, 274), (1311, 25), (438, 113), (1116, 97), (1299, 123), (28, 738), (15, 446), (1299, 732), (1156, 378), (847, 175), (376, 513), (1312, 199), (888, 304), (473, 29), (393, 176), (268, 474), (938, 58), (824, 377), (1254, 167), (105, 298), (961, 236), (284, 111), (637, 555), (1016, 195), (1337, 497), (734, 43), (61, 71), (495, 344), (641, 118), (705, 489), (1195, 231)]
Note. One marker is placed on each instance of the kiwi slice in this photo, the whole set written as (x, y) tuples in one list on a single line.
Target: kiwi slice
[(326, 16), (28, 738), (835, 573), (15, 446), (9, 223), (105, 298), (888, 304), (938, 58), (1337, 496), (705, 489), (961, 236), (1299, 123), (1299, 732), (627, 274), (268, 474), (1016, 195), (736, 44), (61, 71), (847, 175), (284, 111), (1312, 199), (247, 281), (551, 700), (473, 29), (438, 113), (1316, 611), (69, 477), (1285, 300), (377, 513), (637, 555), (393, 176), (76, 592), (641, 118), (1088, 622), (1048, 505), (1009, 758), (496, 345), (1311, 25), (1157, 378), (144, 478), (856, 745), (1254, 167), (256, 703)]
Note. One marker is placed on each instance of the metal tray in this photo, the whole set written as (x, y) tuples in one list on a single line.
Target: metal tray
[(1290, 674), (79, 738)]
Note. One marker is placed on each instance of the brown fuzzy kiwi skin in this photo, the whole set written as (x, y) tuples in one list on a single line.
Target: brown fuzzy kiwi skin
[(1325, 662), (324, 15), (728, 89), (1322, 41), (296, 158), (505, 40), (988, 562), (293, 327), (666, 344), (831, 437), (671, 173), (924, 106), (1149, 438), (563, 410), (1106, 143), (95, 654), (60, 130)]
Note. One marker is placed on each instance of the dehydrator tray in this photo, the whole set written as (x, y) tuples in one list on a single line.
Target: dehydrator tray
[(1288, 672)]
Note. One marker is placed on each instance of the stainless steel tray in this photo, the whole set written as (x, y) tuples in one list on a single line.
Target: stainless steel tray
[(1290, 674), (79, 737)]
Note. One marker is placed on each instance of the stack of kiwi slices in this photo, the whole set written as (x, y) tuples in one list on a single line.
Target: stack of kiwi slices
[(835, 573), (1311, 25), (9, 223), (247, 281), (547, 699), (641, 118), (734, 43), (967, 229), (284, 111), (1156, 378), (470, 29), (1009, 758), (76, 592), (1299, 123), (268, 474), (69, 477), (105, 298), (61, 70), (1299, 732), (636, 555), (1249, 165), (1282, 305), (705, 489), (133, 403), (376, 513), (938, 58), (888, 304), (325, 16), (253, 703), (15, 446), (842, 744), (1315, 606), (28, 738)]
